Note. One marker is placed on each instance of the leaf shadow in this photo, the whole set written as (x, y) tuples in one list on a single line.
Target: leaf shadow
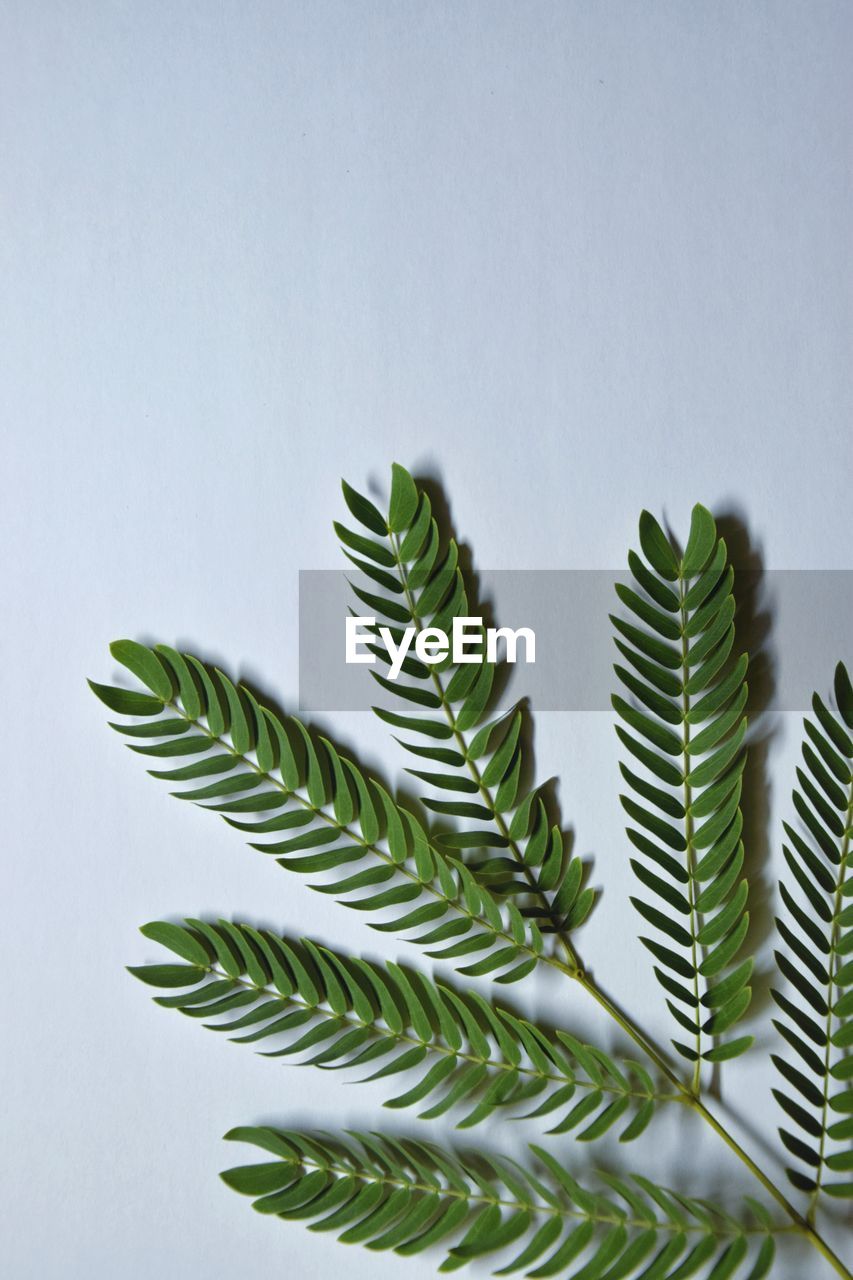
[(754, 612)]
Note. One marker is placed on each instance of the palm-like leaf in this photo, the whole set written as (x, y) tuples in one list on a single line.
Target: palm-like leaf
[(817, 933), (386, 1193), (475, 763), (684, 727), (348, 1012), (320, 812)]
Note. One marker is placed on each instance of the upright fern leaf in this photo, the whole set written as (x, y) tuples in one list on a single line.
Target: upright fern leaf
[(817, 932), (475, 763), (683, 725)]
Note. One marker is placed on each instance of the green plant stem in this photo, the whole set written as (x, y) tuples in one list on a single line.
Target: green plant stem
[(802, 1224)]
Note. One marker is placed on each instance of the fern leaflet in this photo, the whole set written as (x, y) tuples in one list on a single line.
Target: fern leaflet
[(684, 725), (349, 1012), (388, 1193), (816, 1094)]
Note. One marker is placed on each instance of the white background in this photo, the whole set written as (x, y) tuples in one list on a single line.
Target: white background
[(572, 259)]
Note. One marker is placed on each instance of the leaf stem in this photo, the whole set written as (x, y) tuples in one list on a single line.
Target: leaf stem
[(802, 1224)]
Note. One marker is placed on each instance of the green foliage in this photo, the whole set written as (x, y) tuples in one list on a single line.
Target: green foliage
[(487, 883), (376, 1190), (816, 1093), (355, 1013), (684, 725)]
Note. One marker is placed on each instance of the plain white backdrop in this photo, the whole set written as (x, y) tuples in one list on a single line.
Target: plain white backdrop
[(572, 259)]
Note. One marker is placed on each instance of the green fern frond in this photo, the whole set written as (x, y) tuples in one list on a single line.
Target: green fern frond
[(407, 1196), (684, 725), (512, 847), (349, 1012), (816, 1094), (314, 810)]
